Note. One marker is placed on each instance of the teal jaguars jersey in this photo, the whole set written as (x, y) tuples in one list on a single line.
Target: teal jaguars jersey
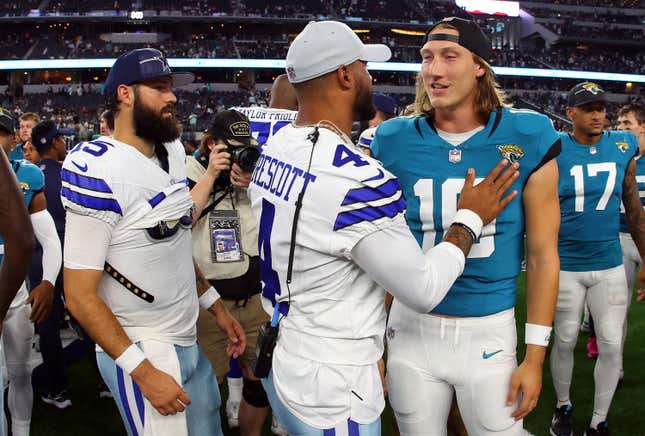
[(591, 188), (640, 181), (432, 171), (31, 181)]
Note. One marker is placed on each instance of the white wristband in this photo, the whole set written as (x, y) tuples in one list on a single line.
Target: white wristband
[(536, 334), (208, 298), (470, 219), (130, 358)]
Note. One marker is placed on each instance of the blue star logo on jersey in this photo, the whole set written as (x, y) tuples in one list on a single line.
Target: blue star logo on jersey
[(511, 152), (622, 146)]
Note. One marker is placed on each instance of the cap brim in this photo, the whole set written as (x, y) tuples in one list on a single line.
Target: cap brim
[(235, 143), (590, 99), (182, 78), (376, 53)]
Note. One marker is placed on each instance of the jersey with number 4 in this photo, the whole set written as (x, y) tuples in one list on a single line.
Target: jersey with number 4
[(590, 189), (265, 122), (336, 311), (432, 174)]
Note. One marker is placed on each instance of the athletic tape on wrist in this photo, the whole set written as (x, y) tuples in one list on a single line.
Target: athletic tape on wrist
[(469, 219), (536, 334), (208, 298), (130, 358)]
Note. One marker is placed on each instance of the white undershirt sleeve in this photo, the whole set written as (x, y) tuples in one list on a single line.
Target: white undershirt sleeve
[(393, 258), (86, 241), (45, 232)]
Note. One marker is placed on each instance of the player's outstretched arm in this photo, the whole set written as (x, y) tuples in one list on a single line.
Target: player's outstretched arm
[(16, 230), (635, 219), (421, 280), (210, 300), (542, 210), (86, 242)]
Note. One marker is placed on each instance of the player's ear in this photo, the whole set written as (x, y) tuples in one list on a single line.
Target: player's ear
[(480, 70), (344, 77), (570, 112), (125, 95)]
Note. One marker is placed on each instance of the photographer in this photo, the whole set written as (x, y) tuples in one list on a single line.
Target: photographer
[(225, 246)]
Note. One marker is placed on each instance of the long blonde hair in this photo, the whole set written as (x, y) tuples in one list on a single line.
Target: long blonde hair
[(489, 95)]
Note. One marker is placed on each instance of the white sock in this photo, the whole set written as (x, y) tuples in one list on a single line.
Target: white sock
[(563, 403), (597, 419), (20, 428), (235, 389)]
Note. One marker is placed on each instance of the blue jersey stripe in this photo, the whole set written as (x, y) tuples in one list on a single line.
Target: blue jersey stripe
[(346, 219), (367, 194), (91, 202), (352, 428), (138, 397), (329, 432), (154, 201), (365, 141), (124, 400), (84, 182)]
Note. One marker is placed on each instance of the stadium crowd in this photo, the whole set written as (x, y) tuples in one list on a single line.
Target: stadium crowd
[(44, 127)]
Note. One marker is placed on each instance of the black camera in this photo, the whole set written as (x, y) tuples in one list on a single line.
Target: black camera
[(267, 338), (245, 157)]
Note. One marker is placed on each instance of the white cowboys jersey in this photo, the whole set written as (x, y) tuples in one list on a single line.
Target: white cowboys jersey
[(265, 122), (150, 243), (336, 312)]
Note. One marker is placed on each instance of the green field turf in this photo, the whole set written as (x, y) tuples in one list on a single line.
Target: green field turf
[(91, 416)]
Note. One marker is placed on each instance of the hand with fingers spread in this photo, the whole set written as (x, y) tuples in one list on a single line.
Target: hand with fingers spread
[(527, 380), (42, 300), (160, 388), (486, 198), (219, 160), (240, 178)]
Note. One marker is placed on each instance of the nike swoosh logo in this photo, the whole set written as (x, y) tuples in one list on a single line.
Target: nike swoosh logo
[(84, 168), (486, 355), (377, 177)]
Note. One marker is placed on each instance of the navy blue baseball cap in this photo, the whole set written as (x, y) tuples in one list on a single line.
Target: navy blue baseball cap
[(142, 64), (44, 139), (384, 103)]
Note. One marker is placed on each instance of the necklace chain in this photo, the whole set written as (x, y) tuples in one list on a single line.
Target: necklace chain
[(329, 126)]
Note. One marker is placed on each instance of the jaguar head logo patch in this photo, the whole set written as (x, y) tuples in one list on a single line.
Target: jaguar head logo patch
[(511, 152)]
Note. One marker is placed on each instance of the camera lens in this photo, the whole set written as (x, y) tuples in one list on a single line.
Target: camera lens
[(246, 158)]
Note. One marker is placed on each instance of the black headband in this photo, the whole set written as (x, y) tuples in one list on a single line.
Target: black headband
[(470, 36)]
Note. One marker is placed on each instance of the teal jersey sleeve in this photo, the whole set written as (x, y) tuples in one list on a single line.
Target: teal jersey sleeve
[(17, 153), (30, 178)]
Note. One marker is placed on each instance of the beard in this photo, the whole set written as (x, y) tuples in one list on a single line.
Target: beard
[(153, 126), (364, 109)]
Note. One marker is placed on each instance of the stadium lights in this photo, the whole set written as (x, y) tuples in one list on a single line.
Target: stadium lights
[(361, 30), (408, 32), (278, 64)]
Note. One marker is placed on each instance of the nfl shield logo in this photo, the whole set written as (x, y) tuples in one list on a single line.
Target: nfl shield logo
[(454, 156)]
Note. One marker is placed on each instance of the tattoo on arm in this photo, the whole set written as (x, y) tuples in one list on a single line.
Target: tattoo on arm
[(633, 208), (460, 237)]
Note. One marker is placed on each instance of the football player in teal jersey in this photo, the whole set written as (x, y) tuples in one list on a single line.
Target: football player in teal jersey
[(18, 330), (597, 169), (467, 344)]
